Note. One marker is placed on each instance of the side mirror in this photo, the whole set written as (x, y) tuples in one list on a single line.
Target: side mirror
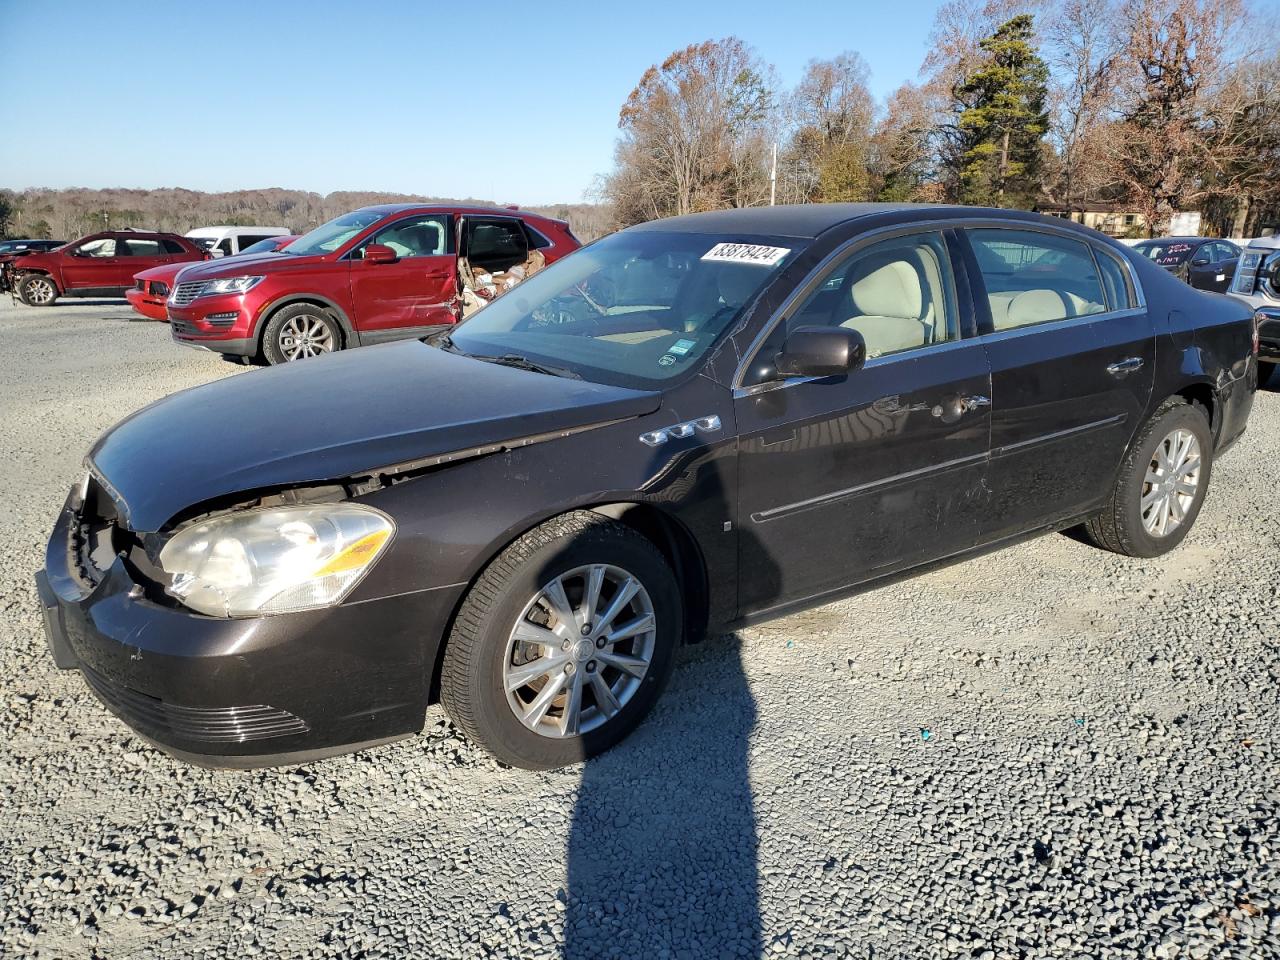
[(1200, 261), (379, 253), (821, 352)]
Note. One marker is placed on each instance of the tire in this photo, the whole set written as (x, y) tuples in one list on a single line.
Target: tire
[(483, 655), (1121, 526), (282, 338), (38, 290), (1265, 370)]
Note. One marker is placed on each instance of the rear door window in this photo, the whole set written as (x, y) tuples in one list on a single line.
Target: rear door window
[(496, 245), (1034, 277), (134, 247)]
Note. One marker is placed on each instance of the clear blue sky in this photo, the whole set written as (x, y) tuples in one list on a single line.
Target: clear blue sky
[(516, 102)]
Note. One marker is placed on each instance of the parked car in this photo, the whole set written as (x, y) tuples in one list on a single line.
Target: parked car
[(1204, 262), (151, 287), (13, 250), (381, 273), (10, 247), (232, 241), (102, 264), (1257, 283), (689, 426)]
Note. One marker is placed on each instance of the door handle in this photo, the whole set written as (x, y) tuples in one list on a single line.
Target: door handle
[(1122, 368), (953, 408)]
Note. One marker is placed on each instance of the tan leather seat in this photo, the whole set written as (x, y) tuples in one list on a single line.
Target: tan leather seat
[(890, 309), (1012, 310)]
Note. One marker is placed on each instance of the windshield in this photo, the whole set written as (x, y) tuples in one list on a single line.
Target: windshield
[(269, 245), (328, 237), (1167, 253), (635, 308)]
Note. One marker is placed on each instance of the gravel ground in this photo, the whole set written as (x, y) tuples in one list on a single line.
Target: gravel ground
[(1047, 752)]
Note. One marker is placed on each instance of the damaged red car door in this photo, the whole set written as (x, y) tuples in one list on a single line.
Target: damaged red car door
[(405, 275)]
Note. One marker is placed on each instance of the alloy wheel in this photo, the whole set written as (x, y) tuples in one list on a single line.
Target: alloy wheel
[(40, 291), (579, 651), (305, 336), (1172, 480)]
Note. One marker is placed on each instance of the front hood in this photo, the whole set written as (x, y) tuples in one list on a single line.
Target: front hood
[(334, 417), (242, 265), (165, 272)]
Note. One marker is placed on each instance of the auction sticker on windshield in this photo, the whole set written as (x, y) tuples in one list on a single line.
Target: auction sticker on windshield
[(746, 253)]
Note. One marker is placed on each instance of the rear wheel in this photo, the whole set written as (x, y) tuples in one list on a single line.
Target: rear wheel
[(564, 643), (37, 290), (298, 331), (1161, 484)]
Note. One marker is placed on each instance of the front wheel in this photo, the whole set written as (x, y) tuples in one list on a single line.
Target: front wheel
[(564, 643), (37, 290), (298, 331), (1161, 484)]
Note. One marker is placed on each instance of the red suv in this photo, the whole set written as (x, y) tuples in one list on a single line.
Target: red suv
[(379, 273), (98, 265)]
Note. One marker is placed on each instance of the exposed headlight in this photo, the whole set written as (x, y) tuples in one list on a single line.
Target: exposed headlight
[(229, 285), (274, 560)]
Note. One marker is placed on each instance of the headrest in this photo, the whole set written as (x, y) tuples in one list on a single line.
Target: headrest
[(1037, 306), (892, 290)]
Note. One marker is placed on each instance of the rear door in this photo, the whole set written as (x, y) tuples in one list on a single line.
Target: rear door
[(842, 479), (1072, 355), (138, 254), (418, 289), (93, 264)]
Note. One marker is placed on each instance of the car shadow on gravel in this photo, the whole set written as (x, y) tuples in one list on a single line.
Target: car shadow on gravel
[(662, 846)]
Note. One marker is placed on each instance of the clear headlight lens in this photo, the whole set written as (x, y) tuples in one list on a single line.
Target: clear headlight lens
[(274, 560), (229, 285)]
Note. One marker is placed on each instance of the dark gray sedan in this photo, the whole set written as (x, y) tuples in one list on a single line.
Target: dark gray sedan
[(688, 426)]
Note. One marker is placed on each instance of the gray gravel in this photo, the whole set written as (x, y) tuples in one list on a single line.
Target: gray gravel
[(1047, 752)]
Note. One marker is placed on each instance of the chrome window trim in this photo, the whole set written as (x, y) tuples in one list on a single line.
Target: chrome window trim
[(1066, 322)]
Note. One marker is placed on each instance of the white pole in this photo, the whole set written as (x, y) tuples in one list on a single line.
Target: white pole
[(773, 177)]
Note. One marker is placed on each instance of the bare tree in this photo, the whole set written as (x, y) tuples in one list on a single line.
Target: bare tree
[(828, 155), (1083, 45), (693, 134), (1172, 66)]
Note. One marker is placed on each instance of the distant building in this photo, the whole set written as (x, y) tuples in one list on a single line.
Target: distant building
[(1113, 219)]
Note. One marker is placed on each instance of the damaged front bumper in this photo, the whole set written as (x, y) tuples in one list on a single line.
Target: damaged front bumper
[(245, 692)]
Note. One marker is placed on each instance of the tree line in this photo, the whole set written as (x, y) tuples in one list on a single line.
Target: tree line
[(72, 213), (1153, 105)]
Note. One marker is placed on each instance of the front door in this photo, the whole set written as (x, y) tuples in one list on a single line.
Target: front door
[(94, 264), (843, 479), (1072, 355), (418, 289), (1213, 266)]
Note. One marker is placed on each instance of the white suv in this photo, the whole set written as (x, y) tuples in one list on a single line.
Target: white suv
[(1257, 283), (229, 241)]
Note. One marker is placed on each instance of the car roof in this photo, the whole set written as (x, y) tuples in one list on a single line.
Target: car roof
[(386, 209), (220, 231), (809, 220)]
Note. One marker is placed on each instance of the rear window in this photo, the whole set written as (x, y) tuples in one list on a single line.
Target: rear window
[(1166, 253), (173, 246)]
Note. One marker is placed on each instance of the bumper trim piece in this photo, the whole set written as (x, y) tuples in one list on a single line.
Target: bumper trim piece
[(64, 658)]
